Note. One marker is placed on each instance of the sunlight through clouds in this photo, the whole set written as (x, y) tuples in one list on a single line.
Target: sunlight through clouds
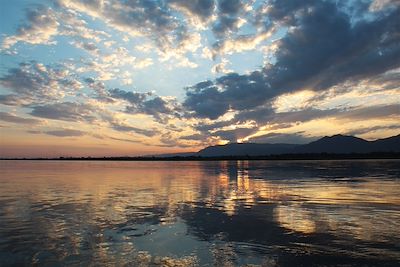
[(172, 75)]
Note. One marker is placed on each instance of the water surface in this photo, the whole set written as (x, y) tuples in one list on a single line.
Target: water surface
[(227, 213)]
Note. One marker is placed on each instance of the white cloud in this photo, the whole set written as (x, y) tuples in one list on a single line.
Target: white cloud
[(221, 67), (41, 27), (378, 5), (143, 63), (241, 43)]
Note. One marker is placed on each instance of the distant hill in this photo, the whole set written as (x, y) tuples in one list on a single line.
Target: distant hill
[(391, 144), (336, 144), (329, 147)]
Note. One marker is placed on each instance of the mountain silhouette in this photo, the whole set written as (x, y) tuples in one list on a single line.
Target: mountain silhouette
[(336, 144)]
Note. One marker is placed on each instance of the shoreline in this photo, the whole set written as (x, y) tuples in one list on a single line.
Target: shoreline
[(319, 156)]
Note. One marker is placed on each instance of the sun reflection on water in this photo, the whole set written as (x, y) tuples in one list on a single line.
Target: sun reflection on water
[(228, 213)]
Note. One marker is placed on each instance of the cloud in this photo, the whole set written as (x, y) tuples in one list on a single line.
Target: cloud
[(230, 7), (233, 91), (127, 128), (297, 116), (333, 49), (195, 137), (65, 111), (153, 19), (40, 28), (126, 140), (8, 117), (266, 119), (229, 21), (74, 26), (378, 5), (221, 67), (161, 108), (226, 25), (65, 133), (111, 64), (371, 112), (133, 98), (143, 63), (241, 43), (43, 24), (157, 107), (284, 138), (373, 129), (89, 47), (34, 81), (234, 135), (206, 127), (321, 49), (13, 100), (168, 140), (201, 9), (255, 119)]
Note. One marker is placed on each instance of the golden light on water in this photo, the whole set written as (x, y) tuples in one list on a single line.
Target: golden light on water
[(148, 199)]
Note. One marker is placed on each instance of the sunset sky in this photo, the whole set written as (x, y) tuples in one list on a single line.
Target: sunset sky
[(135, 77)]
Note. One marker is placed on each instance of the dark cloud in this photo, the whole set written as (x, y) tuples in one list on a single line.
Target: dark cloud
[(148, 103), (133, 98), (239, 92), (149, 17), (372, 112), (127, 128), (126, 140), (265, 116), (235, 134), (282, 138), (373, 129), (200, 8), (8, 117), (205, 127), (89, 80), (285, 11), (227, 23), (36, 82), (321, 50), (230, 7), (299, 116), (89, 47), (66, 111), (195, 137), (65, 133), (387, 81), (167, 140), (155, 107), (12, 100), (224, 26)]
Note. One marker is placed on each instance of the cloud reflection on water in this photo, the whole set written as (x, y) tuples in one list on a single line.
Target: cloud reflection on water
[(196, 213)]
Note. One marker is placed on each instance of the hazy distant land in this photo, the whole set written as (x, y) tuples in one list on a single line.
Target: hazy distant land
[(332, 147)]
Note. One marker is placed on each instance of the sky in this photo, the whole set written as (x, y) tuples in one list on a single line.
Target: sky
[(139, 77)]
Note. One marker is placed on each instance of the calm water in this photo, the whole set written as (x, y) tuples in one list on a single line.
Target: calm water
[(237, 213)]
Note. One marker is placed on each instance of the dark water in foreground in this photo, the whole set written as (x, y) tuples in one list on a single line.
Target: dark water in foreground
[(257, 213)]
